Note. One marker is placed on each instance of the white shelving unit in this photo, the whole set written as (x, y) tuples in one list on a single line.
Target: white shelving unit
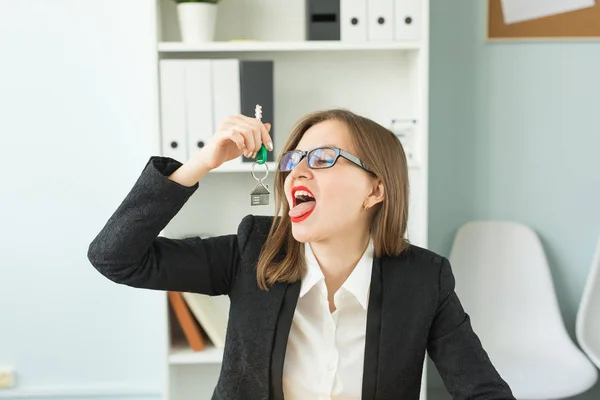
[(242, 46), (181, 355), (380, 80)]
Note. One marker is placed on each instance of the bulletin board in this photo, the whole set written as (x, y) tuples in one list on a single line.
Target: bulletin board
[(578, 24)]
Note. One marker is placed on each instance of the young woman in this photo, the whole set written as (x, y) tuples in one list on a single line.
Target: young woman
[(328, 298)]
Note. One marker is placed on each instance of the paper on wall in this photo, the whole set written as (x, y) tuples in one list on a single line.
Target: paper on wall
[(523, 10)]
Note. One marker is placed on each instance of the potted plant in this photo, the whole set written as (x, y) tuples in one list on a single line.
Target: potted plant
[(197, 20)]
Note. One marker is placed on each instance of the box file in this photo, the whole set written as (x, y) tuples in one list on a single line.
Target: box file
[(198, 100), (353, 20), (323, 20), (407, 19), (172, 103), (256, 87), (380, 20)]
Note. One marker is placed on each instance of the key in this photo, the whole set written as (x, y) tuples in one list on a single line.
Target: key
[(260, 194)]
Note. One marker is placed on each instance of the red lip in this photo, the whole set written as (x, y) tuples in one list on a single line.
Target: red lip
[(295, 189)]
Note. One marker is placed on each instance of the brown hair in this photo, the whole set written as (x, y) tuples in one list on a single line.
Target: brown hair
[(381, 152)]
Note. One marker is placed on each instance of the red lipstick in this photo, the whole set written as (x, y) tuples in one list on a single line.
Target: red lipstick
[(297, 214)]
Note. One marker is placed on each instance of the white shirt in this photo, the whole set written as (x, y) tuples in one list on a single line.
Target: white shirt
[(325, 351)]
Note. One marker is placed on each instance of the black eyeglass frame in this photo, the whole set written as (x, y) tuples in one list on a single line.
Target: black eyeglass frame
[(338, 153)]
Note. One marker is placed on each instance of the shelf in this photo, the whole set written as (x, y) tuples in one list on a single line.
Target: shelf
[(183, 354), (237, 46)]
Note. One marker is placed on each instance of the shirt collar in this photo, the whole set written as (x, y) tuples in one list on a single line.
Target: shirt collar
[(358, 283)]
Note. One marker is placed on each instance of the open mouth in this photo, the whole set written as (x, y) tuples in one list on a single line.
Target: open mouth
[(304, 203)]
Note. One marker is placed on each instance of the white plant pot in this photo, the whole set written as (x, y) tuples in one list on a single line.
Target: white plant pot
[(197, 22)]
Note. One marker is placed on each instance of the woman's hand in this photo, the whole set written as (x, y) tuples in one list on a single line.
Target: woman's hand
[(235, 136)]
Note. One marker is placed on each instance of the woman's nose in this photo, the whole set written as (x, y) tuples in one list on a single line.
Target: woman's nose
[(302, 170)]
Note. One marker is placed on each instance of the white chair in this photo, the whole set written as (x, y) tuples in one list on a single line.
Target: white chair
[(504, 283), (588, 315)]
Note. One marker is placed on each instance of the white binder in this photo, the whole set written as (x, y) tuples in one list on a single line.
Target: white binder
[(380, 20), (226, 93), (408, 19), (353, 20), (199, 104), (226, 89), (173, 109)]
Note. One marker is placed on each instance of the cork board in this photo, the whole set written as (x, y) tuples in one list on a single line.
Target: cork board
[(579, 24)]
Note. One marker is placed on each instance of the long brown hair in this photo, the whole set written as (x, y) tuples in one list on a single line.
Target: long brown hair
[(380, 150)]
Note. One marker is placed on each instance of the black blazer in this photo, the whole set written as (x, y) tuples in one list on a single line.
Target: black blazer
[(412, 305)]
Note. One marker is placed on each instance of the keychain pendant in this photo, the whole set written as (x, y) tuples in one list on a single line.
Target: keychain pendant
[(260, 195)]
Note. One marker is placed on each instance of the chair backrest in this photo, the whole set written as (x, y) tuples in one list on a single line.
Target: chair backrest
[(504, 283), (588, 315)]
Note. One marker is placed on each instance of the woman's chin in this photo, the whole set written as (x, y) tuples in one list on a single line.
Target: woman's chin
[(301, 234), (304, 233)]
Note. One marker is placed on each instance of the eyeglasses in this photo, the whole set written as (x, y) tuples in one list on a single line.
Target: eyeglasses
[(319, 158)]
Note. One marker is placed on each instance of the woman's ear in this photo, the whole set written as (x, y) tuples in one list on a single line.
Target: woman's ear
[(377, 194)]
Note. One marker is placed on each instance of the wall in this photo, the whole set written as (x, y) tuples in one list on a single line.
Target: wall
[(78, 98), (514, 134)]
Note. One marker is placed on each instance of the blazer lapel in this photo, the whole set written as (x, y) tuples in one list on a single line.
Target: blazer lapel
[(373, 334), (282, 331)]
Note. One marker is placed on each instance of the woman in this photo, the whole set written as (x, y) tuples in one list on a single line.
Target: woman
[(328, 300)]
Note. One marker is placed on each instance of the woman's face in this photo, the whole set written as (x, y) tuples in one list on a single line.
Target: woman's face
[(339, 191)]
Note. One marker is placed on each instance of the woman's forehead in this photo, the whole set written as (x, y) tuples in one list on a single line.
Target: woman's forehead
[(326, 134)]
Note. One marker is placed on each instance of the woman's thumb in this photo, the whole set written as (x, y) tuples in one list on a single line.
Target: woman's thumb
[(268, 126)]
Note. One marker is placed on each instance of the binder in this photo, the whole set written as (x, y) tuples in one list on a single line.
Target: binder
[(238, 86), (257, 87), (380, 20), (407, 20), (226, 89), (353, 20), (173, 109), (199, 114), (323, 19)]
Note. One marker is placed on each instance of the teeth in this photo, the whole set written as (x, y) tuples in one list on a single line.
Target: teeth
[(303, 193)]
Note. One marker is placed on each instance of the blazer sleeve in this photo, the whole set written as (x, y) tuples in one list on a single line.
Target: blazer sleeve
[(457, 352), (128, 250)]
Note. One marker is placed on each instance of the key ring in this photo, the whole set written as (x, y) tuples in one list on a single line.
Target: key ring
[(266, 172)]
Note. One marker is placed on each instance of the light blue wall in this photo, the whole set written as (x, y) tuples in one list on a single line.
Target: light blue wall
[(77, 101), (515, 134)]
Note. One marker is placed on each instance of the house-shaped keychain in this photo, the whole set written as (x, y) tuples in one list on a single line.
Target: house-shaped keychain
[(260, 195)]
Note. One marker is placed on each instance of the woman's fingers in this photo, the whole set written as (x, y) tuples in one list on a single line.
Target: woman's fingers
[(266, 137), (238, 139), (241, 134), (253, 132), (259, 132)]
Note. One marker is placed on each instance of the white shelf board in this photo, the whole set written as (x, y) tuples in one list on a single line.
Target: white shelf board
[(259, 170), (182, 354), (316, 45)]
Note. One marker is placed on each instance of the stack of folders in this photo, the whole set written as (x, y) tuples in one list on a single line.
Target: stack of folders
[(201, 317), (197, 95), (364, 20)]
